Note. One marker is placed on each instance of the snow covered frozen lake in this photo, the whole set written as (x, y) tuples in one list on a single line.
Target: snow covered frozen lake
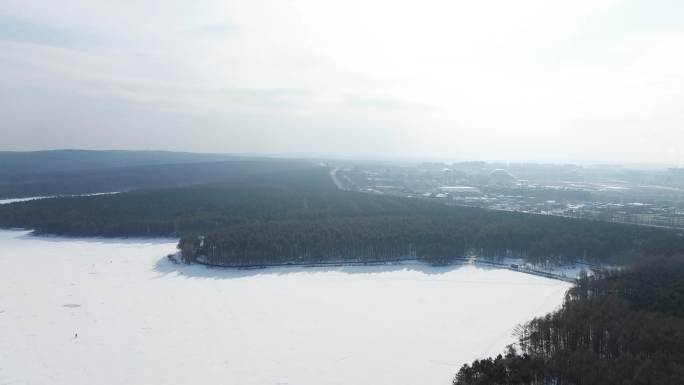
[(143, 320)]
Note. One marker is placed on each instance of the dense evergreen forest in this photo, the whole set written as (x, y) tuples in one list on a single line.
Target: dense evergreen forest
[(125, 178), (437, 236), (617, 328), (298, 215), (48, 161)]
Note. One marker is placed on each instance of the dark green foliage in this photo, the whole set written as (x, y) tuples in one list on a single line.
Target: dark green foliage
[(665, 244), (83, 181), (353, 238), (653, 284), (42, 162), (513, 368), (618, 328)]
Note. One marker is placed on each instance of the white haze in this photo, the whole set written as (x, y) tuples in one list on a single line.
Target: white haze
[(599, 80), (142, 320)]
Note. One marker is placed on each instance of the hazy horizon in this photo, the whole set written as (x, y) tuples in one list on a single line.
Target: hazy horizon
[(588, 82), (384, 159)]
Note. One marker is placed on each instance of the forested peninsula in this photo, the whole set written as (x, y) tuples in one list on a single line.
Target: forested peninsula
[(297, 214)]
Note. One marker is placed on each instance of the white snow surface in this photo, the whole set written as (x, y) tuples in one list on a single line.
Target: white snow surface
[(14, 200), (142, 320)]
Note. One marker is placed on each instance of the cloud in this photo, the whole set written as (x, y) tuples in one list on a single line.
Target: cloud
[(383, 102), (214, 29), (512, 80), (20, 30)]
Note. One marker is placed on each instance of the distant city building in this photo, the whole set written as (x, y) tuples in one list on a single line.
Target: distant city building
[(654, 199), (501, 177), (460, 189), (677, 221)]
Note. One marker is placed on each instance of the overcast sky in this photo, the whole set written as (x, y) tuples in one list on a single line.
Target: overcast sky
[(545, 80)]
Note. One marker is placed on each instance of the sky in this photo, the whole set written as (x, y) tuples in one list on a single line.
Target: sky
[(526, 80)]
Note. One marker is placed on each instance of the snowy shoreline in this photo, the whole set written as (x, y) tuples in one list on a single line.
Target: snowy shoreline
[(562, 273)]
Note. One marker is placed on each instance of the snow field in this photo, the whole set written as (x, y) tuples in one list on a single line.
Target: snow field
[(143, 320)]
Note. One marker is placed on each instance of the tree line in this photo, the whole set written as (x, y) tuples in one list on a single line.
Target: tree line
[(439, 239), (617, 327)]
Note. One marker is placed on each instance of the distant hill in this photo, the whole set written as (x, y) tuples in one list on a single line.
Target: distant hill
[(20, 162), (69, 172)]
